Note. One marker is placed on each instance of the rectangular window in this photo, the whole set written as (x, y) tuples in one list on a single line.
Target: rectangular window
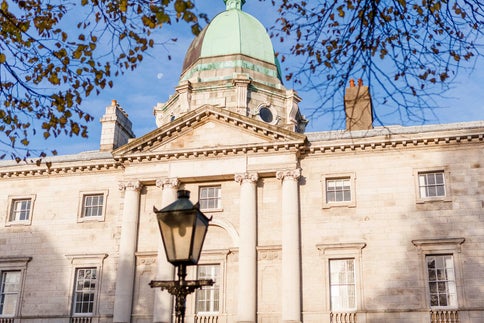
[(84, 290), (9, 292), (92, 205), (342, 284), (431, 184), (208, 297), (210, 197), (338, 190), (20, 210), (441, 278)]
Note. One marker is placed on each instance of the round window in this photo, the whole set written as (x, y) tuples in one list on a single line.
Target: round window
[(266, 114)]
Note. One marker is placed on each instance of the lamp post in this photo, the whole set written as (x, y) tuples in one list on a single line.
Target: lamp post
[(183, 228)]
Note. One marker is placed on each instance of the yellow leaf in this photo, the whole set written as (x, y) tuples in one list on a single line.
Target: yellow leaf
[(3, 58), (4, 6), (123, 5)]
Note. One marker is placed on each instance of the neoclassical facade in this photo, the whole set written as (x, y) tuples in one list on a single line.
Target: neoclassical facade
[(364, 224)]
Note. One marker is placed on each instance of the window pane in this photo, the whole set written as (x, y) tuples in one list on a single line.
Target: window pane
[(440, 191), (93, 205), (439, 178), (9, 292), (338, 190), (441, 278), (207, 298), (20, 210), (431, 184), (342, 284), (210, 197), (85, 288)]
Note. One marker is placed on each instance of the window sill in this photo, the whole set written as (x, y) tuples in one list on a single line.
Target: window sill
[(339, 204), (18, 223), (434, 199), (211, 210), (91, 219)]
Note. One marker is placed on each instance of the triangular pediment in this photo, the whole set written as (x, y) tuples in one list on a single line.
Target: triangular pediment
[(207, 129), (211, 133)]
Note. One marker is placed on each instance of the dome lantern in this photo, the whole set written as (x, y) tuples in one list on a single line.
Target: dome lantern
[(234, 4)]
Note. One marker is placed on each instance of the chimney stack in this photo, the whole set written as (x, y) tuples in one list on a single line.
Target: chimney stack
[(358, 107), (115, 128)]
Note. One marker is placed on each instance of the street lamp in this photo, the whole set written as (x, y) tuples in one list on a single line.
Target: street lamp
[(183, 228)]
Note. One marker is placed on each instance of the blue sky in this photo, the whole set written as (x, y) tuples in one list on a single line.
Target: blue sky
[(156, 77)]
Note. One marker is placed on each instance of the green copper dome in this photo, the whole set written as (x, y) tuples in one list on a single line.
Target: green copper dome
[(232, 32)]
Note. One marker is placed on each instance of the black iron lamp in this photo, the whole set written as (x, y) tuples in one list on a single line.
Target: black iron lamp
[(183, 228)]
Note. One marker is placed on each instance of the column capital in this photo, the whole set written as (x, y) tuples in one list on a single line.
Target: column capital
[(290, 174), (134, 185), (172, 182), (246, 177)]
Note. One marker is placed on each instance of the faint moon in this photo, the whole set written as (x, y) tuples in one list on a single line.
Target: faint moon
[(159, 76)]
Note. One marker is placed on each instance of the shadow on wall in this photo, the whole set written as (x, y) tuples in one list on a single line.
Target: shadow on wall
[(429, 254), (67, 272)]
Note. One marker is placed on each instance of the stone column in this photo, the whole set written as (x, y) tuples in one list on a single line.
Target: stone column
[(247, 300), (127, 261), (165, 271), (291, 248)]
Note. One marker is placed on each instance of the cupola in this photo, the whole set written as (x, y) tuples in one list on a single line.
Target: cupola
[(232, 32), (232, 65)]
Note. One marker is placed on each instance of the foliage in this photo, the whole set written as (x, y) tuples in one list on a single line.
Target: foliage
[(53, 54), (409, 50)]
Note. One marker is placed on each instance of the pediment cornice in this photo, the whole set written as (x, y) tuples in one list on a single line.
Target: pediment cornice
[(273, 138)]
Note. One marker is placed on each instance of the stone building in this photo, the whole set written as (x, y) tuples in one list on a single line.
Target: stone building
[(359, 225)]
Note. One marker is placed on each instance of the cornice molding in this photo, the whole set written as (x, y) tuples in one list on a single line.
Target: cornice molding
[(301, 147), (362, 144), (34, 170)]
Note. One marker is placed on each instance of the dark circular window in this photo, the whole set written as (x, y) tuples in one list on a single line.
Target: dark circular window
[(266, 114)]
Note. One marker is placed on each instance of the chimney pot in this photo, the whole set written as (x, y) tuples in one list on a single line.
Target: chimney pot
[(352, 83), (360, 82)]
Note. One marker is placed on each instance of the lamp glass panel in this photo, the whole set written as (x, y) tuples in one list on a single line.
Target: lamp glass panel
[(198, 237), (177, 229)]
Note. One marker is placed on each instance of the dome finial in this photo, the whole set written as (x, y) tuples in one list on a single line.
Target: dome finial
[(234, 4)]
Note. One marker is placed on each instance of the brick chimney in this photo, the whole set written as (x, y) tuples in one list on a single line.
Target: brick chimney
[(116, 128), (358, 107)]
